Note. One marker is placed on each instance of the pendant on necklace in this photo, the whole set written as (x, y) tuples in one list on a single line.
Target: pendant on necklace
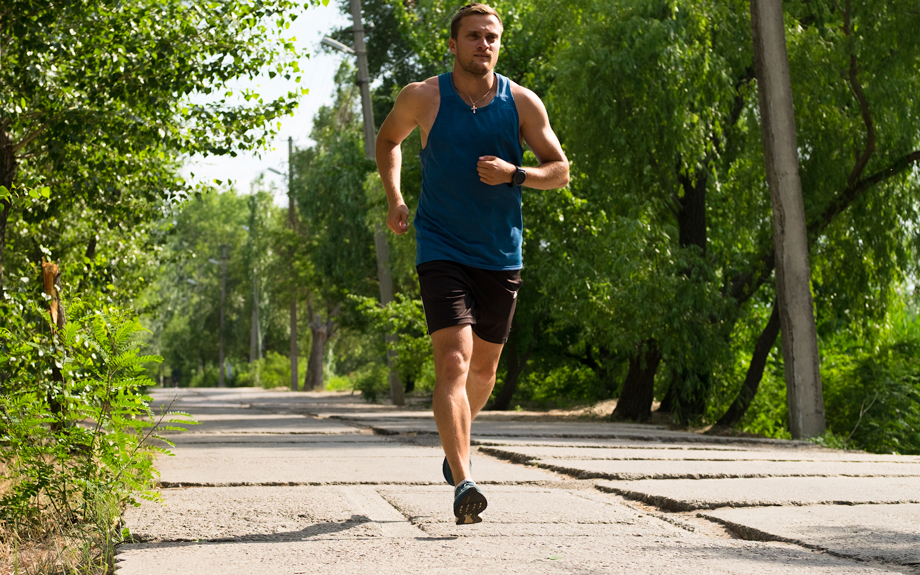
[(474, 108)]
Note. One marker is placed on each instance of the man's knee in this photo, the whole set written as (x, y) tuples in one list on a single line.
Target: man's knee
[(452, 365), (483, 372)]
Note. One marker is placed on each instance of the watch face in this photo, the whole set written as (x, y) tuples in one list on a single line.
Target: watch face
[(519, 176)]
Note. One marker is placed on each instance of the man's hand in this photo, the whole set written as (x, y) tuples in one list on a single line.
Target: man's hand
[(494, 171), (398, 219)]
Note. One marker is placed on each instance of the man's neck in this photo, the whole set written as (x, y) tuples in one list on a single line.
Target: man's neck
[(474, 85)]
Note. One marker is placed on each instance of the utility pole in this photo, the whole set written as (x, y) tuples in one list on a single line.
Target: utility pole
[(380, 240), (255, 329), (255, 337), (292, 221), (223, 298), (790, 239)]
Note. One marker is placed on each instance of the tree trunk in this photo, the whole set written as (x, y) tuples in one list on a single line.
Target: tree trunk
[(691, 216), (689, 388), (754, 373), (635, 401), (322, 332), (790, 239), (313, 379), (7, 175)]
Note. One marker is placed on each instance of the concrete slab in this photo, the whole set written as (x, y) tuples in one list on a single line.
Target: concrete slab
[(692, 494), (343, 555), (686, 453), (253, 421), (868, 532), (498, 431), (256, 395), (424, 423), (291, 464), (266, 514), (643, 443), (526, 511), (305, 439), (695, 469)]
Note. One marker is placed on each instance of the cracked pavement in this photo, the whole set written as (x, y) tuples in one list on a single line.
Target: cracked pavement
[(288, 483)]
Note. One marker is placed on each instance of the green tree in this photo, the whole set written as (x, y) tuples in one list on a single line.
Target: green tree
[(329, 186), (661, 119), (99, 100), (187, 299)]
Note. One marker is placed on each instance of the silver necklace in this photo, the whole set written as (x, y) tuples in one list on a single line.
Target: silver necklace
[(473, 107)]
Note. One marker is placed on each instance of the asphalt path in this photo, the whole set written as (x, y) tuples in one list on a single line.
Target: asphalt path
[(277, 482)]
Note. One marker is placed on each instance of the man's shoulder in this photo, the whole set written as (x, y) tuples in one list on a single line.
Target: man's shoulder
[(523, 96), (423, 90)]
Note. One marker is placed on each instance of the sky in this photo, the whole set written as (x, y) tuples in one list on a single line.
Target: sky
[(318, 74)]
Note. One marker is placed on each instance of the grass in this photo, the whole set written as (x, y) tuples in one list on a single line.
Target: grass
[(58, 547)]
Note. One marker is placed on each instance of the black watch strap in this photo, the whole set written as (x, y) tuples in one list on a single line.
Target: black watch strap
[(518, 177)]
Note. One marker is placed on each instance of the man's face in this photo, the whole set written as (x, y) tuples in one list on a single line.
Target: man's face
[(477, 43)]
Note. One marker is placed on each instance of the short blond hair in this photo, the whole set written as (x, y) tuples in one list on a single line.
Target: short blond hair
[(470, 10)]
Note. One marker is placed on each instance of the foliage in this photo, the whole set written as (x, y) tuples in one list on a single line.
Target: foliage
[(329, 187), (183, 308), (74, 418), (99, 101), (664, 234), (872, 394), (272, 371), (371, 381), (403, 318)]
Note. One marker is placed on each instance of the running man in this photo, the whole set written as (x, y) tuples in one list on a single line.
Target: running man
[(468, 223)]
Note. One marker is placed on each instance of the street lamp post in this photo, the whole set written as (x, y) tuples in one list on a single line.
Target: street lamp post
[(384, 274)]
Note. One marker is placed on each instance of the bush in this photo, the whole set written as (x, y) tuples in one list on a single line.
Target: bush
[(74, 422), (273, 370), (871, 392), (372, 381), (872, 399), (208, 377)]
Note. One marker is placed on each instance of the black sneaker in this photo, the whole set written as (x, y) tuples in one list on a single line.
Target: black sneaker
[(448, 474), (469, 502)]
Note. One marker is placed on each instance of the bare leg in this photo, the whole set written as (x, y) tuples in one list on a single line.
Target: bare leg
[(464, 377), (453, 348), (481, 377)]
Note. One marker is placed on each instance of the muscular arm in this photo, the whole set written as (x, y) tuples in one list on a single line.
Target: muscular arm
[(553, 171), (398, 125)]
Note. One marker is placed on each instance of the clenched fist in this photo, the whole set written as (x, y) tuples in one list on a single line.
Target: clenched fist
[(494, 170)]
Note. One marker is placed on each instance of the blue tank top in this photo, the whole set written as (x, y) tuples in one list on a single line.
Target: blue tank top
[(460, 218)]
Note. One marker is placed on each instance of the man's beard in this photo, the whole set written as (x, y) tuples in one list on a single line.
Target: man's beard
[(476, 67)]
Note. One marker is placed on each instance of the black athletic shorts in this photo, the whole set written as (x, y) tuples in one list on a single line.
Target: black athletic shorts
[(455, 294)]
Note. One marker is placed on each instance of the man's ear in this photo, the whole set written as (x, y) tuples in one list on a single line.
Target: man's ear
[(452, 44)]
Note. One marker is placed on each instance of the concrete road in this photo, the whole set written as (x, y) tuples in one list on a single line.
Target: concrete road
[(277, 482)]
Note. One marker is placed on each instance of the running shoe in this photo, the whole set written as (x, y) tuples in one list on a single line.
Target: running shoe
[(448, 474), (469, 502)]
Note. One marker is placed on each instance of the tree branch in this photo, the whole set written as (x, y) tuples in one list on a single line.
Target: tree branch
[(745, 284), (817, 226), (28, 139), (863, 103)]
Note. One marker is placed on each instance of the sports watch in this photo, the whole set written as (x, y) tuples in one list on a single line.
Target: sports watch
[(518, 177)]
